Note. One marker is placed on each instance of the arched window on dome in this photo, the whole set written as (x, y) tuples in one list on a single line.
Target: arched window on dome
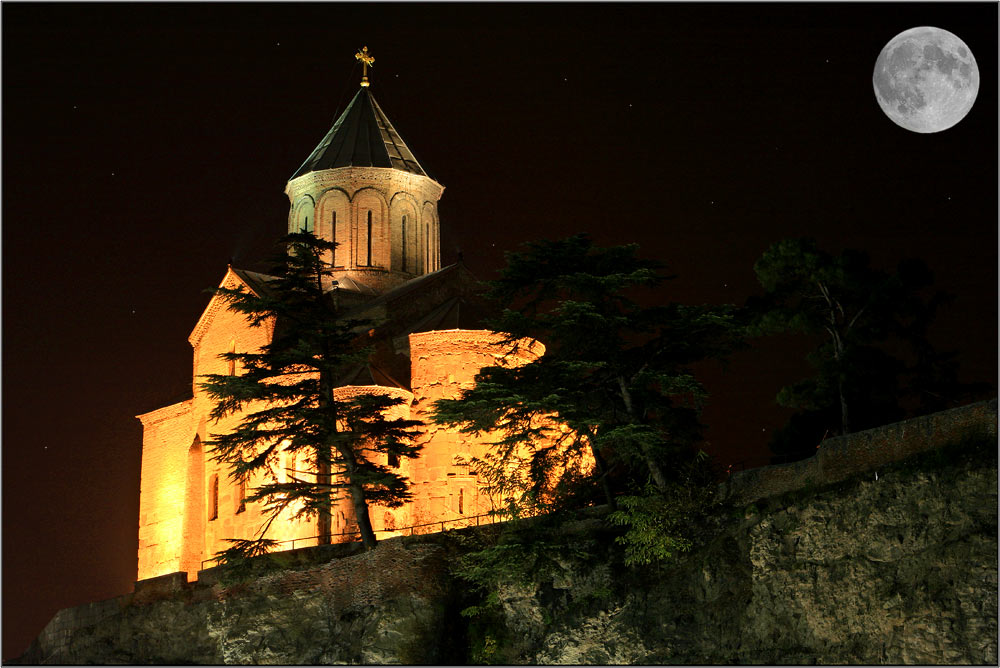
[(304, 216), (403, 244), (418, 260), (333, 237), (427, 248), (368, 240), (333, 219)]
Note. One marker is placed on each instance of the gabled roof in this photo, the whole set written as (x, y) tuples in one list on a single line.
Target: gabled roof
[(253, 280), (361, 137), (406, 288)]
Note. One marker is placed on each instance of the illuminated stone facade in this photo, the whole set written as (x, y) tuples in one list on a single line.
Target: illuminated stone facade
[(382, 209), (384, 219), (188, 504)]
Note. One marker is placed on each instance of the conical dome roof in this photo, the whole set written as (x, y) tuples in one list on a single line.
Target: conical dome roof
[(361, 137)]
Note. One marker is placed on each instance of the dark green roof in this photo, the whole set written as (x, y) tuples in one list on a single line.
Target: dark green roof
[(361, 137)]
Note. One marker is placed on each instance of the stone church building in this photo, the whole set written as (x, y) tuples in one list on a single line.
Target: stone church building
[(363, 188)]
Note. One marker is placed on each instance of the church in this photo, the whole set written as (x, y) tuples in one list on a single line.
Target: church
[(363, 188)]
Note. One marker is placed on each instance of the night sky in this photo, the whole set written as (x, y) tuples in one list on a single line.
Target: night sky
[(145, 146)]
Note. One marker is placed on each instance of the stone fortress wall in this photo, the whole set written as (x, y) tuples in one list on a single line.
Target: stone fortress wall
[(841, 457), (901, 570)]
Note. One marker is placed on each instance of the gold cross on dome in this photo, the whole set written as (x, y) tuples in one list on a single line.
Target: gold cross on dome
[(366, 60)]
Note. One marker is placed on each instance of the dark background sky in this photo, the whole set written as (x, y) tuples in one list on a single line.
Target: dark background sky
[(146, 145)]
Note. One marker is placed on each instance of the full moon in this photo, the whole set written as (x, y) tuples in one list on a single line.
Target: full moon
[(926, 79)]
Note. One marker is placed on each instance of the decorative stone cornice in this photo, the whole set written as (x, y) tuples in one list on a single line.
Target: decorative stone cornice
[(476, 340), (345, 392), (353, 179)]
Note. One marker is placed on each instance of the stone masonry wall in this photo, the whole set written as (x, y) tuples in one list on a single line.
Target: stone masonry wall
[(339, 201), (841, 457), (895, 569), (381, 607), (443, 363), (167, 435)]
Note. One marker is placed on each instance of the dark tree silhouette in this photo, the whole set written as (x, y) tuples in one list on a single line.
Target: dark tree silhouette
[(286, 395)]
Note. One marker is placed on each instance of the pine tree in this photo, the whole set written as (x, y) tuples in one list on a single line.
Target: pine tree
[(285, 393), (615, 372)]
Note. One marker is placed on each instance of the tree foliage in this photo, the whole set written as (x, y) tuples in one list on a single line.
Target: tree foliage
[(872, 327), (284, 394), (615, 379), (658, 520)]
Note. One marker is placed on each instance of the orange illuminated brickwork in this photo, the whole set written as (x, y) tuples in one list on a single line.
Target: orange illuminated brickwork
[(188, 504), (362, 188), (384, 220)]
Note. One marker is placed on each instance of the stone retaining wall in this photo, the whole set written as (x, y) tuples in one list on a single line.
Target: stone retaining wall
[(844, 456)]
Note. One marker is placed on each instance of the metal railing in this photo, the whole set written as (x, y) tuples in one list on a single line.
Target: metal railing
[(461, 522)]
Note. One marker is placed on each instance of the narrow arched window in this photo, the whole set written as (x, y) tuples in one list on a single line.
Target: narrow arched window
[(213, 498), (241, 495), (461, 501), (308, 226), (333, 236), (427, 247), (403, 235), (232, 363), (369, 263)]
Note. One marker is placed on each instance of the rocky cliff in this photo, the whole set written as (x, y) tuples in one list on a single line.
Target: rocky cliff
[(896, 570), (893, 564)]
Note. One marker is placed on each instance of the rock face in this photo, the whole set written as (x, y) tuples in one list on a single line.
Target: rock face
[(386, 606), (896, 565), (899, 570)]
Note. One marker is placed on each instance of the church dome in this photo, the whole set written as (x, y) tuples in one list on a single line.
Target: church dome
[(361, 137)]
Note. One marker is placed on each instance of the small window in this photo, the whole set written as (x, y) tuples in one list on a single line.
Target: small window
[(241, 495), (369, 262), (213, 498), (403, 235), (393, 460), (333, 236), (461, 501), (232, 363)]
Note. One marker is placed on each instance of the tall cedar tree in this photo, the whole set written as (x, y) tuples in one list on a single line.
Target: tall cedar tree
[(614, 371), (287, 391), (873, 349)]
